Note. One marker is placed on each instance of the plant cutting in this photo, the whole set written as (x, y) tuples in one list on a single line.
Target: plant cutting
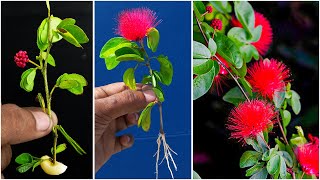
[(51, 30), (138, 43), (231, 42)]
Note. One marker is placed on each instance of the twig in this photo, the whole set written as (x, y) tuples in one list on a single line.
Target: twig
[(281, 128)]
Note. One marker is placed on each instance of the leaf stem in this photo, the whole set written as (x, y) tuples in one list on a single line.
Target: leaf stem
[(281, 128), (302, 175), (220, 62), (34, 63), (261, 136)]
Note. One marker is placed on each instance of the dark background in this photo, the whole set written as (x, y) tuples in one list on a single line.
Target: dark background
[(296, 43), (20, 21)]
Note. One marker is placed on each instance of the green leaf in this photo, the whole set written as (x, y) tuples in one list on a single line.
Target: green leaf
[(212, 47), (283, 168), (262, 174), (130, 57), (200, 51), (199, 9), (60, 148), (246, 85), (76, 32), (286, 117), (222, 6), (261, 142), (72, 82), (154, 81), (129, 79), (254, 169), (228, 50), (24, 158), (269, 154), (145, 118), (50, 59), (202, 66), (71, 141), (287, 158), (36, 164), (238, 35), (203, 82), (66, 21), (146, 79), (245, 14), (69, 37), (295, 102), (54, 22), (195, 175), (248, 52), (254, 143), (298, 141), (281, 146), (273, 165), (207, 29), (249, 158), (278, 98), (256, 34), (27, 79), (153, 38), (159, 94), (234, 96), (24, 167), (166, 69)]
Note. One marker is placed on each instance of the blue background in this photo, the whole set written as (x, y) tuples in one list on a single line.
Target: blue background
[(175, 42)]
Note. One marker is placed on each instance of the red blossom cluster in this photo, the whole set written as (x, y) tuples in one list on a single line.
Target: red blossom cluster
[(21, 58)]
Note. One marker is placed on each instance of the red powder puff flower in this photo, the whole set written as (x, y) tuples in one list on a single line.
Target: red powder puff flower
[(134, 24), (209, 9), (268, 76), (219, 79), (250, 118), (263, 44), (308, 156), (21, 58)]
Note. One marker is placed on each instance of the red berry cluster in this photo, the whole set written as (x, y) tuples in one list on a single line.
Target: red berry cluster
[(216, 24), (209, 9), (21, 58)]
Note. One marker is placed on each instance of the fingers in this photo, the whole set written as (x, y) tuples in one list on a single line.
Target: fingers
[(19, 125), (126, 121), (6, 155), (125, 102), (123, 142), (111, 89)]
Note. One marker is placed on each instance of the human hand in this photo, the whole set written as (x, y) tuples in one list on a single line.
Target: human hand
[(116, 109), (20, 125)]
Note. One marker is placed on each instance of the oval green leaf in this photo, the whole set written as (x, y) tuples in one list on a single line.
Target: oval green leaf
[(245, 14), (273, 165), (202, 66), (249, 158), (166, 70), (145, 117), (129, 79), (153, 37), (23, 158), (159, 94), (200, 51)]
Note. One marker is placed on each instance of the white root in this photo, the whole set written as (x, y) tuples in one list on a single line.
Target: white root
[(167, 154)]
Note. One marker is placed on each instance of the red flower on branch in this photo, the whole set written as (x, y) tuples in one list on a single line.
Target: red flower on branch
[(268, 76), (216, 24), (21, 58), (250, 118), (308, 156), (263, 44), (209, 9), (134, 24)]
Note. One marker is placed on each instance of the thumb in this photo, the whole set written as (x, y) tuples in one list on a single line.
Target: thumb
[(19, 125)]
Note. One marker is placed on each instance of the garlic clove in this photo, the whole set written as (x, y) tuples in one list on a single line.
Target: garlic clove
[(50, 168)]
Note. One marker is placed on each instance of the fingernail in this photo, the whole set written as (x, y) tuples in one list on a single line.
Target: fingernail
[(149, 95), (42, 120), (125, 140)]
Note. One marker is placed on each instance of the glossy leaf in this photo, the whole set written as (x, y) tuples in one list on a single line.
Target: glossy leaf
[(66, 21), (146, 79), (202, 66), (273, 165), (249, 158), (256, 34), (254, 144), (159, 94), (130, 57), (76, 32), (27, 79), (72, 82), (153, 38), (200, 51), (280, 144), (49, 58), (60, 148), (278, 98), (254, 169), (246, 85), (245, 14), (222, 6), (203, 82), (248, 52), (228, 50), (24, 167), (261, 174), (238, 35), (145, 117), (286, 117), (24, 158), (199, 9), (234, 96), (287, 158), (283, 168), (166, 70), (36, 164), (212, 47), (195, 175), (129, 79), (295, 102)]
